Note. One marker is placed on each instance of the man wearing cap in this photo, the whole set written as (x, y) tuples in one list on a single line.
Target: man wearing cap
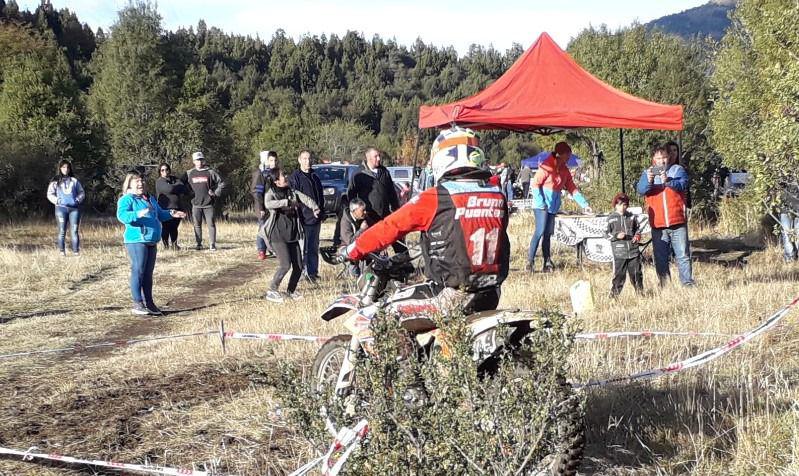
[(552, 177), (267, 162), (206, 185)]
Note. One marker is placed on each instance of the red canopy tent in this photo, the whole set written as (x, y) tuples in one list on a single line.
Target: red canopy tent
[(545, 91)]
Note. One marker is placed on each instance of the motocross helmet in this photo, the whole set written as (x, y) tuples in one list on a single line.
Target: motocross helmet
[(455, 151)]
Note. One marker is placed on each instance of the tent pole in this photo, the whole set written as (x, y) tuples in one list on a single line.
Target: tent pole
[(415, 157), (621, 153)]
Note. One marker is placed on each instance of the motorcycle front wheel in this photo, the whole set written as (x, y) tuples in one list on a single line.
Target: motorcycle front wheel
[(328, 362)]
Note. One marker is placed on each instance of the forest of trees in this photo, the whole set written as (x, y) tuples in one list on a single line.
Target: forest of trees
[(138, 95)]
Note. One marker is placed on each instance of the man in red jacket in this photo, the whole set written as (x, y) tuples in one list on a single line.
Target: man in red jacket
[(465, 245), (664, 187)]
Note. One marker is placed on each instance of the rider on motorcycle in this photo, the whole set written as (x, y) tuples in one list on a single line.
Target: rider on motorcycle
[(463, 220)]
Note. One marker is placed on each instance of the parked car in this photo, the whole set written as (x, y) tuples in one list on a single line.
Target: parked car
[(335, 179), (401, 175)]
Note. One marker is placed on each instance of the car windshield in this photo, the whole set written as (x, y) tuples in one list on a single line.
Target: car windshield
[(331, 174)]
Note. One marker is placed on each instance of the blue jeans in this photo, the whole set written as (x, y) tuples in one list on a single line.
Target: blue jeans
[(310, 249), (544, 228), (142, 264), (790, 228), (664, 240), (71, 215)]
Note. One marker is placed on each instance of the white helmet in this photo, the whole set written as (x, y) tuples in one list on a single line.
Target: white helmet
[(454, 151)]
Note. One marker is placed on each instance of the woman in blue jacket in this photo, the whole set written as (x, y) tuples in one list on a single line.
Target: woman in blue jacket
[(142, 218), (66, 193)]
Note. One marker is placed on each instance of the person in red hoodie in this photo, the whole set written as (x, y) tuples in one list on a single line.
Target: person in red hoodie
[(664, 187), (552, 177)]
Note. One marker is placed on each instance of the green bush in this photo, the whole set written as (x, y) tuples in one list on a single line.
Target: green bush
[(503, 423)]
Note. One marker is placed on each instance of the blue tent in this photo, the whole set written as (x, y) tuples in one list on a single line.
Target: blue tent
[(534, 161)]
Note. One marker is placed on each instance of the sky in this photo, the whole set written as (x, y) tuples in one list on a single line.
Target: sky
[(459, 24)]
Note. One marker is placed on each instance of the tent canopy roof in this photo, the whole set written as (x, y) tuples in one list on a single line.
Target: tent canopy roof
[(546, 91)]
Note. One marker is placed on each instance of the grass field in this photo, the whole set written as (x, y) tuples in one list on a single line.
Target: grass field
[(183, 402)]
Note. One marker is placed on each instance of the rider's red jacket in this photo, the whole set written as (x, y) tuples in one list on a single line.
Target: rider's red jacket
[(464, 233)]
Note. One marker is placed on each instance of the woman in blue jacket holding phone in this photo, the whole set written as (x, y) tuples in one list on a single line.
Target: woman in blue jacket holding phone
[(142, 218)]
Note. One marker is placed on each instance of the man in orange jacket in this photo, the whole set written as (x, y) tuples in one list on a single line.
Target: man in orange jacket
[(664, 187)]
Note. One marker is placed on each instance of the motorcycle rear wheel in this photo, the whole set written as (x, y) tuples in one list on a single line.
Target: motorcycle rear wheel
[(568, 419)]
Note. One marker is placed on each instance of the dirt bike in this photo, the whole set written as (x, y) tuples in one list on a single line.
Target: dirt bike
[(494, 334)]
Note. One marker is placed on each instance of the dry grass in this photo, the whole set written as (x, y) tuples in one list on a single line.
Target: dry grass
[(182, 402)]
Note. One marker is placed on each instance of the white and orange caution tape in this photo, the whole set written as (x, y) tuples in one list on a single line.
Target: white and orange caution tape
[(646, 334), (345, 442), (225, 334), (704, 357), (139, 468)]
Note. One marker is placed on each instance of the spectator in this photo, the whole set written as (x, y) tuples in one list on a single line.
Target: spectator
[(789, 220), (66, 193), (624, 234), (353, 223), (552, 176), (282, 229), (524, 179), (168, 190), (206, 185), (267, 162), (142, 217), (664, 187), (304, 180), (372, 183)]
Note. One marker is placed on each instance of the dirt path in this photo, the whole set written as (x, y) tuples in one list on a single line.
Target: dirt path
[(205, 292)]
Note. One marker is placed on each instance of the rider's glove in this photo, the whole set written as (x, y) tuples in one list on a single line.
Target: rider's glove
[(341, 256)]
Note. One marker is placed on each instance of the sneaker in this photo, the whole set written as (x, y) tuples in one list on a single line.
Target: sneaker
[(311, 279), (76, 254), (549, 267), (270, 254), (274, 296), (198, 247), (140, 309), (153, 309), (295, 296), (261, 255), (62, 253), (212, 248)]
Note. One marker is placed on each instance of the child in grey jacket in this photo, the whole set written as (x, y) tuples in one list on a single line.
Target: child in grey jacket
[(624, 233)]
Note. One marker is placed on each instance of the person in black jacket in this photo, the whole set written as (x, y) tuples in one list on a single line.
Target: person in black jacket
[(304, 180), (168, 190), (624, 234), (267, 162), (373, 184)]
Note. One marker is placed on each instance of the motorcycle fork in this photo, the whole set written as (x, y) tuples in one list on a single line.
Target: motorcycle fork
[(347, 372)]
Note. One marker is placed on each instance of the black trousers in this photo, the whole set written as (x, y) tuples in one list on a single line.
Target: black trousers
[(289, 256), (169, 231), (630, 266)]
